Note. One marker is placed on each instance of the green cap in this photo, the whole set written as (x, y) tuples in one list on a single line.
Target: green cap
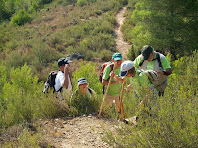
[(117, 56), (146, 51)]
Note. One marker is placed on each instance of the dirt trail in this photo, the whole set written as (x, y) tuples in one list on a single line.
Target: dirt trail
[(121, 45), (81, 132), (85, 131)]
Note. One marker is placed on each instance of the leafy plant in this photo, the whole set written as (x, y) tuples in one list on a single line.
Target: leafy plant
[(168, 121), (21, 18)]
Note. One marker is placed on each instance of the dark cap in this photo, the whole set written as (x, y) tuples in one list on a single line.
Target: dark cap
[(146, 51), (62, 61)]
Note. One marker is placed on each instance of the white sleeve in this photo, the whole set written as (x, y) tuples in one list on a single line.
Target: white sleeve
[(59, 80)]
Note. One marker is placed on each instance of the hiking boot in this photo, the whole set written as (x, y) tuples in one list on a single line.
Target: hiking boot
[(126, 121)]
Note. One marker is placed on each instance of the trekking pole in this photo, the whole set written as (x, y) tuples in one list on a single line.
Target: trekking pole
[(106, 93), (121, 100)]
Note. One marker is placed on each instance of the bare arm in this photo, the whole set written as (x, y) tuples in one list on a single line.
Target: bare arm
[(166, 72), (66, 73)]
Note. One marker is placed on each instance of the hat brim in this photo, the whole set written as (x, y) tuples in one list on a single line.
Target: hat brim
[(83, 83), (117, 58), (145, 57), (123, 73)]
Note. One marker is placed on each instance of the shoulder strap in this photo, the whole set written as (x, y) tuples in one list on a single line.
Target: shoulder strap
[(90, 90), (141, 63), (111, 66), (158, 59), (103, 88)]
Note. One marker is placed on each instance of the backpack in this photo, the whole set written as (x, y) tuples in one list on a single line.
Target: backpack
[(51, 82), (152, 76), (101, 69)]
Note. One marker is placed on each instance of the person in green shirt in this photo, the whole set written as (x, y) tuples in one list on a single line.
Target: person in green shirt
[(155, 61), (115, 85), (139, 82), (137, 78)]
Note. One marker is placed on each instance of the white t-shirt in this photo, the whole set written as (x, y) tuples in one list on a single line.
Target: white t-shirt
[(59, 83)]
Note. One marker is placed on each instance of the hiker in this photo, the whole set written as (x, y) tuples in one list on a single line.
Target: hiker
[(62, 81), (115, 87), (135, 76), (83, 89), (155, 61), (140, 83), (84, 99)]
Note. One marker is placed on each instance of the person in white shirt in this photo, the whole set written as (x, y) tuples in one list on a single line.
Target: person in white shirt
[(63, 85)]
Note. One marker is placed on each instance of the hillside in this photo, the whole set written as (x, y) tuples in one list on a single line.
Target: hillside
[(85, 131), (35, 34)]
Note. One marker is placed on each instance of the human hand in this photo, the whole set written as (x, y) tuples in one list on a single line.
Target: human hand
[(123, 80), (159, 72), (112, 74)]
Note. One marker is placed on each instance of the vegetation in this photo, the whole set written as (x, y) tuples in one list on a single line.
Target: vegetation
[(168, 26), (34, 35), (168, 121), (56, 30)]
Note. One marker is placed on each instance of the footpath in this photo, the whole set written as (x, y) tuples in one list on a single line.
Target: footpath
[(79, 132), (84, 131)]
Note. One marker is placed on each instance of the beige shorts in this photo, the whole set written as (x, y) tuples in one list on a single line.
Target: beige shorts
[(110, 99)]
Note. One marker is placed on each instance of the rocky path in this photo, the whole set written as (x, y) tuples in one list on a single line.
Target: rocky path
[(79, 132), (84, 131), (121, 45)]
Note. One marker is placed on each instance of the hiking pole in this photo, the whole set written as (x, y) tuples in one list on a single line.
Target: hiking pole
[(106, 93), (121, 102)]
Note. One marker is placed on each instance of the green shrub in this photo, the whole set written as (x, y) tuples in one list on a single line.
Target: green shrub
[(106, 55), (133, 52), (43, 54), (88, 70), (21, 18), (22, 99), (83, 104), (44, 1), (15, 59), (168, 121), (81, 2)]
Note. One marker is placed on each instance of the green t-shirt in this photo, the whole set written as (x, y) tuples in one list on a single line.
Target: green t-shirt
[(114, 89), (150, 65), (139, 81)]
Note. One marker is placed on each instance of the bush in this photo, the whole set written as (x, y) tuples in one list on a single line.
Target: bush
[(22, 99), (173, 120), (44, 1), (81, 2), (84, 104), (21, 18)]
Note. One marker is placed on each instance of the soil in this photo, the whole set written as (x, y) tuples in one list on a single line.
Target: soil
[(121, 45), (85, 131)]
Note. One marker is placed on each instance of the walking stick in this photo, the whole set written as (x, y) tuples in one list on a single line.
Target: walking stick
[(121, 103), (106, 93)]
